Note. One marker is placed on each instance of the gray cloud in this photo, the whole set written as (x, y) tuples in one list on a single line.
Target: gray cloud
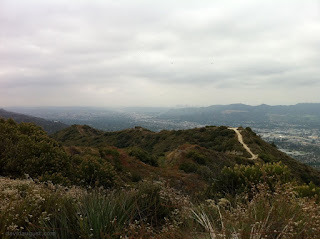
[(110, 53)]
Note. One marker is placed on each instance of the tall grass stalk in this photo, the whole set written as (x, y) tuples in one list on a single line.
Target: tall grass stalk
[(203, 219), (101, 215)]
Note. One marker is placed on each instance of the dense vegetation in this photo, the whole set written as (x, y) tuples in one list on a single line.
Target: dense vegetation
[(26, 149), (136, 183), (211, 140), (216, 138)]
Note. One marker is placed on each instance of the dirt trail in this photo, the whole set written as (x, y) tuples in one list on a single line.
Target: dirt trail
[(253, 156)]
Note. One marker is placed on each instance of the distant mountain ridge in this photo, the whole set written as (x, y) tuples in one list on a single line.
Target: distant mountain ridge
[(236, 114), (310, 108), (157, 118), (48, 125)]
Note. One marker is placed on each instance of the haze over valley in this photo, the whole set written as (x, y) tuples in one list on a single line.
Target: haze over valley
[(294, 129)]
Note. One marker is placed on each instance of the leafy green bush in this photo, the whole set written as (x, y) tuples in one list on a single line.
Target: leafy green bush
[(153, 205), (113, 156), (26, 149), (308, 190), (197, 157), (188, 167), (135, 177), (267, 158), (242, 178), (143, 156), (205, 173), (94, 171), (104, 152)]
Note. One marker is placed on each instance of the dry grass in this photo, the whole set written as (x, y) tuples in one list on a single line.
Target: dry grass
[(153, 210), (280, 214), (145, 211)]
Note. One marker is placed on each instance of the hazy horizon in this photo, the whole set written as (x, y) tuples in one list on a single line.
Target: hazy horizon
[(139, 106), (158, 54)]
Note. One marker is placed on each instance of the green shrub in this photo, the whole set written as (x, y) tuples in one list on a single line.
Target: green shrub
[(113, 156), (267, 158), (188, 167), (197, 157), (135, 177), (202, 129), (242, 178), (308, 190), (143, 156), (104, 152), (205, 173), (26, 149), (94, 171)]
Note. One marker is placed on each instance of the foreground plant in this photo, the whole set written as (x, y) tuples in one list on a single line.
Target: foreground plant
[(278, 214), (35, 209)]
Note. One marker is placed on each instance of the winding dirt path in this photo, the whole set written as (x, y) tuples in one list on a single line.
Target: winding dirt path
[(240, 138)]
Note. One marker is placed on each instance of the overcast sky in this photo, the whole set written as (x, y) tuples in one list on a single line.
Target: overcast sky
[(158, 53)]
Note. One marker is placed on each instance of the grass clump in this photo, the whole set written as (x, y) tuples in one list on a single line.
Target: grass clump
[(144, 211), (29, 207), (269, 214)]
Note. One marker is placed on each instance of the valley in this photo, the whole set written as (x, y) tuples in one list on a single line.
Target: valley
[(293, 129)]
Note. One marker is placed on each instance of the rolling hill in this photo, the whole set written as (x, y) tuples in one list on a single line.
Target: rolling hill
[(48, 125), (83, 182), (211, 142)]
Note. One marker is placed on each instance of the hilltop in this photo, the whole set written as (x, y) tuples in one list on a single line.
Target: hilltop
[(209, 141), (293, 128)]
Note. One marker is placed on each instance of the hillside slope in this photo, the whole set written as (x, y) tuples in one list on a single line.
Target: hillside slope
[(49, 126), (198, 147), (152, 185)]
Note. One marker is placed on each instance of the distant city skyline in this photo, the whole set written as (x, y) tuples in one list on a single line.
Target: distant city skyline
[(164, 53)]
